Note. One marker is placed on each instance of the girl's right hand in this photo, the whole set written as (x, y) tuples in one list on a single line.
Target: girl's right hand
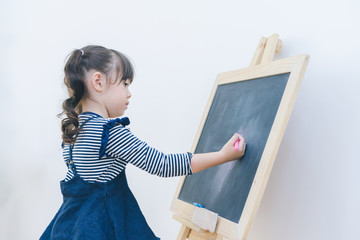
[(228, 150), (202, 161)]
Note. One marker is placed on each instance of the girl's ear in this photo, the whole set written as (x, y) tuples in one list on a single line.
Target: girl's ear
[(98, 81)]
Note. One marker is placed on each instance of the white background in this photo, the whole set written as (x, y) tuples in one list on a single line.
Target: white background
[(178, 48)]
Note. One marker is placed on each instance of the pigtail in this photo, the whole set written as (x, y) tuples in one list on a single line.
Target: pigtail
[(73, 79)]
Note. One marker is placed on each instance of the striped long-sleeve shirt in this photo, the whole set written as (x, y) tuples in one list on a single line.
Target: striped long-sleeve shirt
[(122, 148)]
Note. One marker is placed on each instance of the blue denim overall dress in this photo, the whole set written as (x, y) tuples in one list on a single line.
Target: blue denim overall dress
[(97, 211)]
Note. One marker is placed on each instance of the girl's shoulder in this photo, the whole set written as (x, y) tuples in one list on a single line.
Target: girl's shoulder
[(87, 117), (94, 122)]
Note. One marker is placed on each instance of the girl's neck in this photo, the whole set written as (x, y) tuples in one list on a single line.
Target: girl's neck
[(88, 105)]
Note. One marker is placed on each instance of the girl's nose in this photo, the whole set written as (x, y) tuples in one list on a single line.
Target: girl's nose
[(129, 94)]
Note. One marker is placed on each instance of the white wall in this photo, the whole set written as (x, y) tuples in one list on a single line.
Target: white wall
[(178, 49)]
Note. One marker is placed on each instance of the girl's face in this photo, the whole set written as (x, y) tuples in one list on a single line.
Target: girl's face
[(117, 98)]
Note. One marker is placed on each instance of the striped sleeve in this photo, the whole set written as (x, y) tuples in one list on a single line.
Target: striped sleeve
[(124, 145)]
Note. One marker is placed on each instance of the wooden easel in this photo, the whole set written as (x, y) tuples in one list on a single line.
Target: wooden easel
[(264, 54)]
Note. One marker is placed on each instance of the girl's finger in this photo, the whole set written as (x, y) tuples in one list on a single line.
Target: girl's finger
[(241, 144), (236, 136)]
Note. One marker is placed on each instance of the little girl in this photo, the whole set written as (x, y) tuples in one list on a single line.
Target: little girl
[(97, 146)]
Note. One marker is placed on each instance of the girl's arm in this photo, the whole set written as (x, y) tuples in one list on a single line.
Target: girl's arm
[(128, 148), (228, 153)]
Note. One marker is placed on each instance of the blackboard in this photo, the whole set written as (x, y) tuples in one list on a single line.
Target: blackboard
[(249, 108), (256, 102)]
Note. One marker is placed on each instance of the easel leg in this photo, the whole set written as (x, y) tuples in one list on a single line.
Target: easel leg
[(259, 52), (184, 232), (187, 233)]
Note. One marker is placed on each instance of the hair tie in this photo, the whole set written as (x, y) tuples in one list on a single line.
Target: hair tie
[(82, 52)]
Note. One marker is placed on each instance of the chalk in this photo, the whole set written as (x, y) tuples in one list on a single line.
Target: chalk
[(198, 205), (236, 145)]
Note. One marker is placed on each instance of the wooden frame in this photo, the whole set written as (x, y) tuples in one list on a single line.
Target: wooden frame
[(296, 67)]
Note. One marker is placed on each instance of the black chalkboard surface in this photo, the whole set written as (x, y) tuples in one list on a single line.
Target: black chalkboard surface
[(249, 108), (257, 103)]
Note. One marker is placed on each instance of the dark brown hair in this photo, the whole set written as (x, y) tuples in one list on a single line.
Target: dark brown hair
[(107, 61)]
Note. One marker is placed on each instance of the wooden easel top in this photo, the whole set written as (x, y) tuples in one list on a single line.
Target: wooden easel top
[(266, 50)]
